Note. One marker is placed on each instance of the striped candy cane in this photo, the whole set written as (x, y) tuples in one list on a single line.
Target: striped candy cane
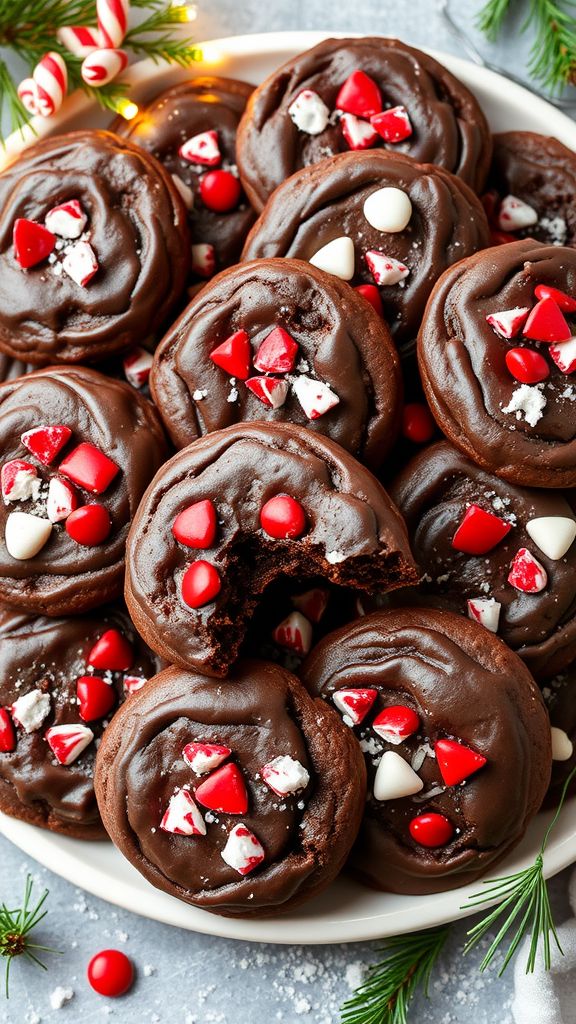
[(112, 21), (51, 79), (80, 41), (101, 66), (28, 93)]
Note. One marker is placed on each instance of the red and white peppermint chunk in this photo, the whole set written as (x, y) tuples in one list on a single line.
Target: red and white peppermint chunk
[(315, 397), (30, 710), (456, 761), (67, 742), (277, 353), (337, 258), (515, 214), (564, 355), (19, 481), (111, 653), (8, 740), (354, 704), (393, 125), (102, 66), (26, 535), (486, 611), (294, 633), (32, 242), (80, 41), (554, 535), (271, 391), (202, 149), (508, 322), (359, 134), (62, 500), (203, 259), (243, 851), (204, 757), (132, 684), (479, 531), (285, 775), (90, 468), (309, 112), (224, 791), (182, 817), (526, 573), (312, 603), (47, 441), (28, 95), (359, 95), (137, 365), (67, 220), (396, 723), (385, 269), (80, 263), (395, 778)]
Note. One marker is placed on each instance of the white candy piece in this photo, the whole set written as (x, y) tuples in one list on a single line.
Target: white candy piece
[(388, 209), (554, 535), (336, 258), (80, 41), (182, 817), (185, 191), (26, 535), (315, 397), (562, 746), (359, 134), (67, 220), (23, 485), (564, 355), (30, 710), (295, 633), (61, 500), (395, 778), (203, 259), (515, 214), (508, 322), (204, 757), (80, 263), (202, 149), (353, 704), (309, 113), (132, 684), (137, 365), (102, 66), (486, 611), (285, 775), (385, 269), (243, 851), (274, 392), (529, 401), (67, 742)]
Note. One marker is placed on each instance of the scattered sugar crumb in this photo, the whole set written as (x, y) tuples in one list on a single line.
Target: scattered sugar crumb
[(60, 996)]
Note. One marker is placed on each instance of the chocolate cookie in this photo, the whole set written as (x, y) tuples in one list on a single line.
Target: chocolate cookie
[(60, 682), (376, 219), (558, 694), (12, 368), (496, 356), (356, 94), (280, 340), (456, 738), (235, 511), (94, 249), (532, 189), (191, 129), (78, 450), (503, 555), (242, 796)]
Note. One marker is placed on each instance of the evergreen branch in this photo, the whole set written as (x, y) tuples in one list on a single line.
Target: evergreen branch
[(16, 927), (491, 17), (385, 996), (553, 53)]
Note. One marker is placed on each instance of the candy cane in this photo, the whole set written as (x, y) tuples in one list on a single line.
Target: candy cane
[(101, 66), (51, 77), (80, 41), (112, 21), (28, 93)]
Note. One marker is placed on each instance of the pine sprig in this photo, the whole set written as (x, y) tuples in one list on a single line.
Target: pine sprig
[(15, 930), (491, 17), (386, 994), (553, 54)]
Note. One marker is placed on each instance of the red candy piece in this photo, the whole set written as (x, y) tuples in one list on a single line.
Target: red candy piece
[(196, 525), (393, 125), (17, 479), (45, 442), (456, 761), (358, 134), (90, 468), (234, 355), (224, 791), (61, 501), (565, 302), (220, 191), (431, 830), (277, 353), (479, 531), (294, 633), (527, 366), (271, 391), (564, 355), (359, 95), (312, 603), (546, 323), (417, 423), (112, 652), (282, 517), (355, 704), (372, 295), (526, 573), (203, 757), (396, 723), (89, 525), (95, 697), (201, 583), (7, 732), (32, 243), (110, 973), (501, 237)]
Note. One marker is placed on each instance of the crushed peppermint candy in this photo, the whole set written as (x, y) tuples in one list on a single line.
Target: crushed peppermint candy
[(309, 112), (385, 269), (527, 401), (243, 851), (80, 263), (284, 775), (30, 710)]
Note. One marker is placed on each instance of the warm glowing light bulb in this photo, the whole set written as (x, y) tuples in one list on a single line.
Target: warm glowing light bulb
[(127, 109), (211, 55)]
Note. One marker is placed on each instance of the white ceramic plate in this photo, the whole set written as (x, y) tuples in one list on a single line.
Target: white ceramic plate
[(347, 912)]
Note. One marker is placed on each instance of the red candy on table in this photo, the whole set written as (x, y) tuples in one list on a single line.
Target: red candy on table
[(7, 732), (89, 468), (359, 95), (33, 243), (95, 697), (282, 517), (456, 761), (224, 791), (112, 652), (89, 525), (431, 830), (45, 442), (196, 525), (234, 355), (201, 583), (479, 531), (220, 191), (417, 423), (527, 366), (110, 973)]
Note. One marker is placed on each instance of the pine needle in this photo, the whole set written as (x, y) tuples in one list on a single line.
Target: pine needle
[(16, 927), (553, 54)]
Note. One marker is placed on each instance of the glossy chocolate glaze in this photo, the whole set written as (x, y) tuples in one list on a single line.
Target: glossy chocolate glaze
[(464, 684), (260, 712), (559, 695), (137, 228), (449, 127)]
